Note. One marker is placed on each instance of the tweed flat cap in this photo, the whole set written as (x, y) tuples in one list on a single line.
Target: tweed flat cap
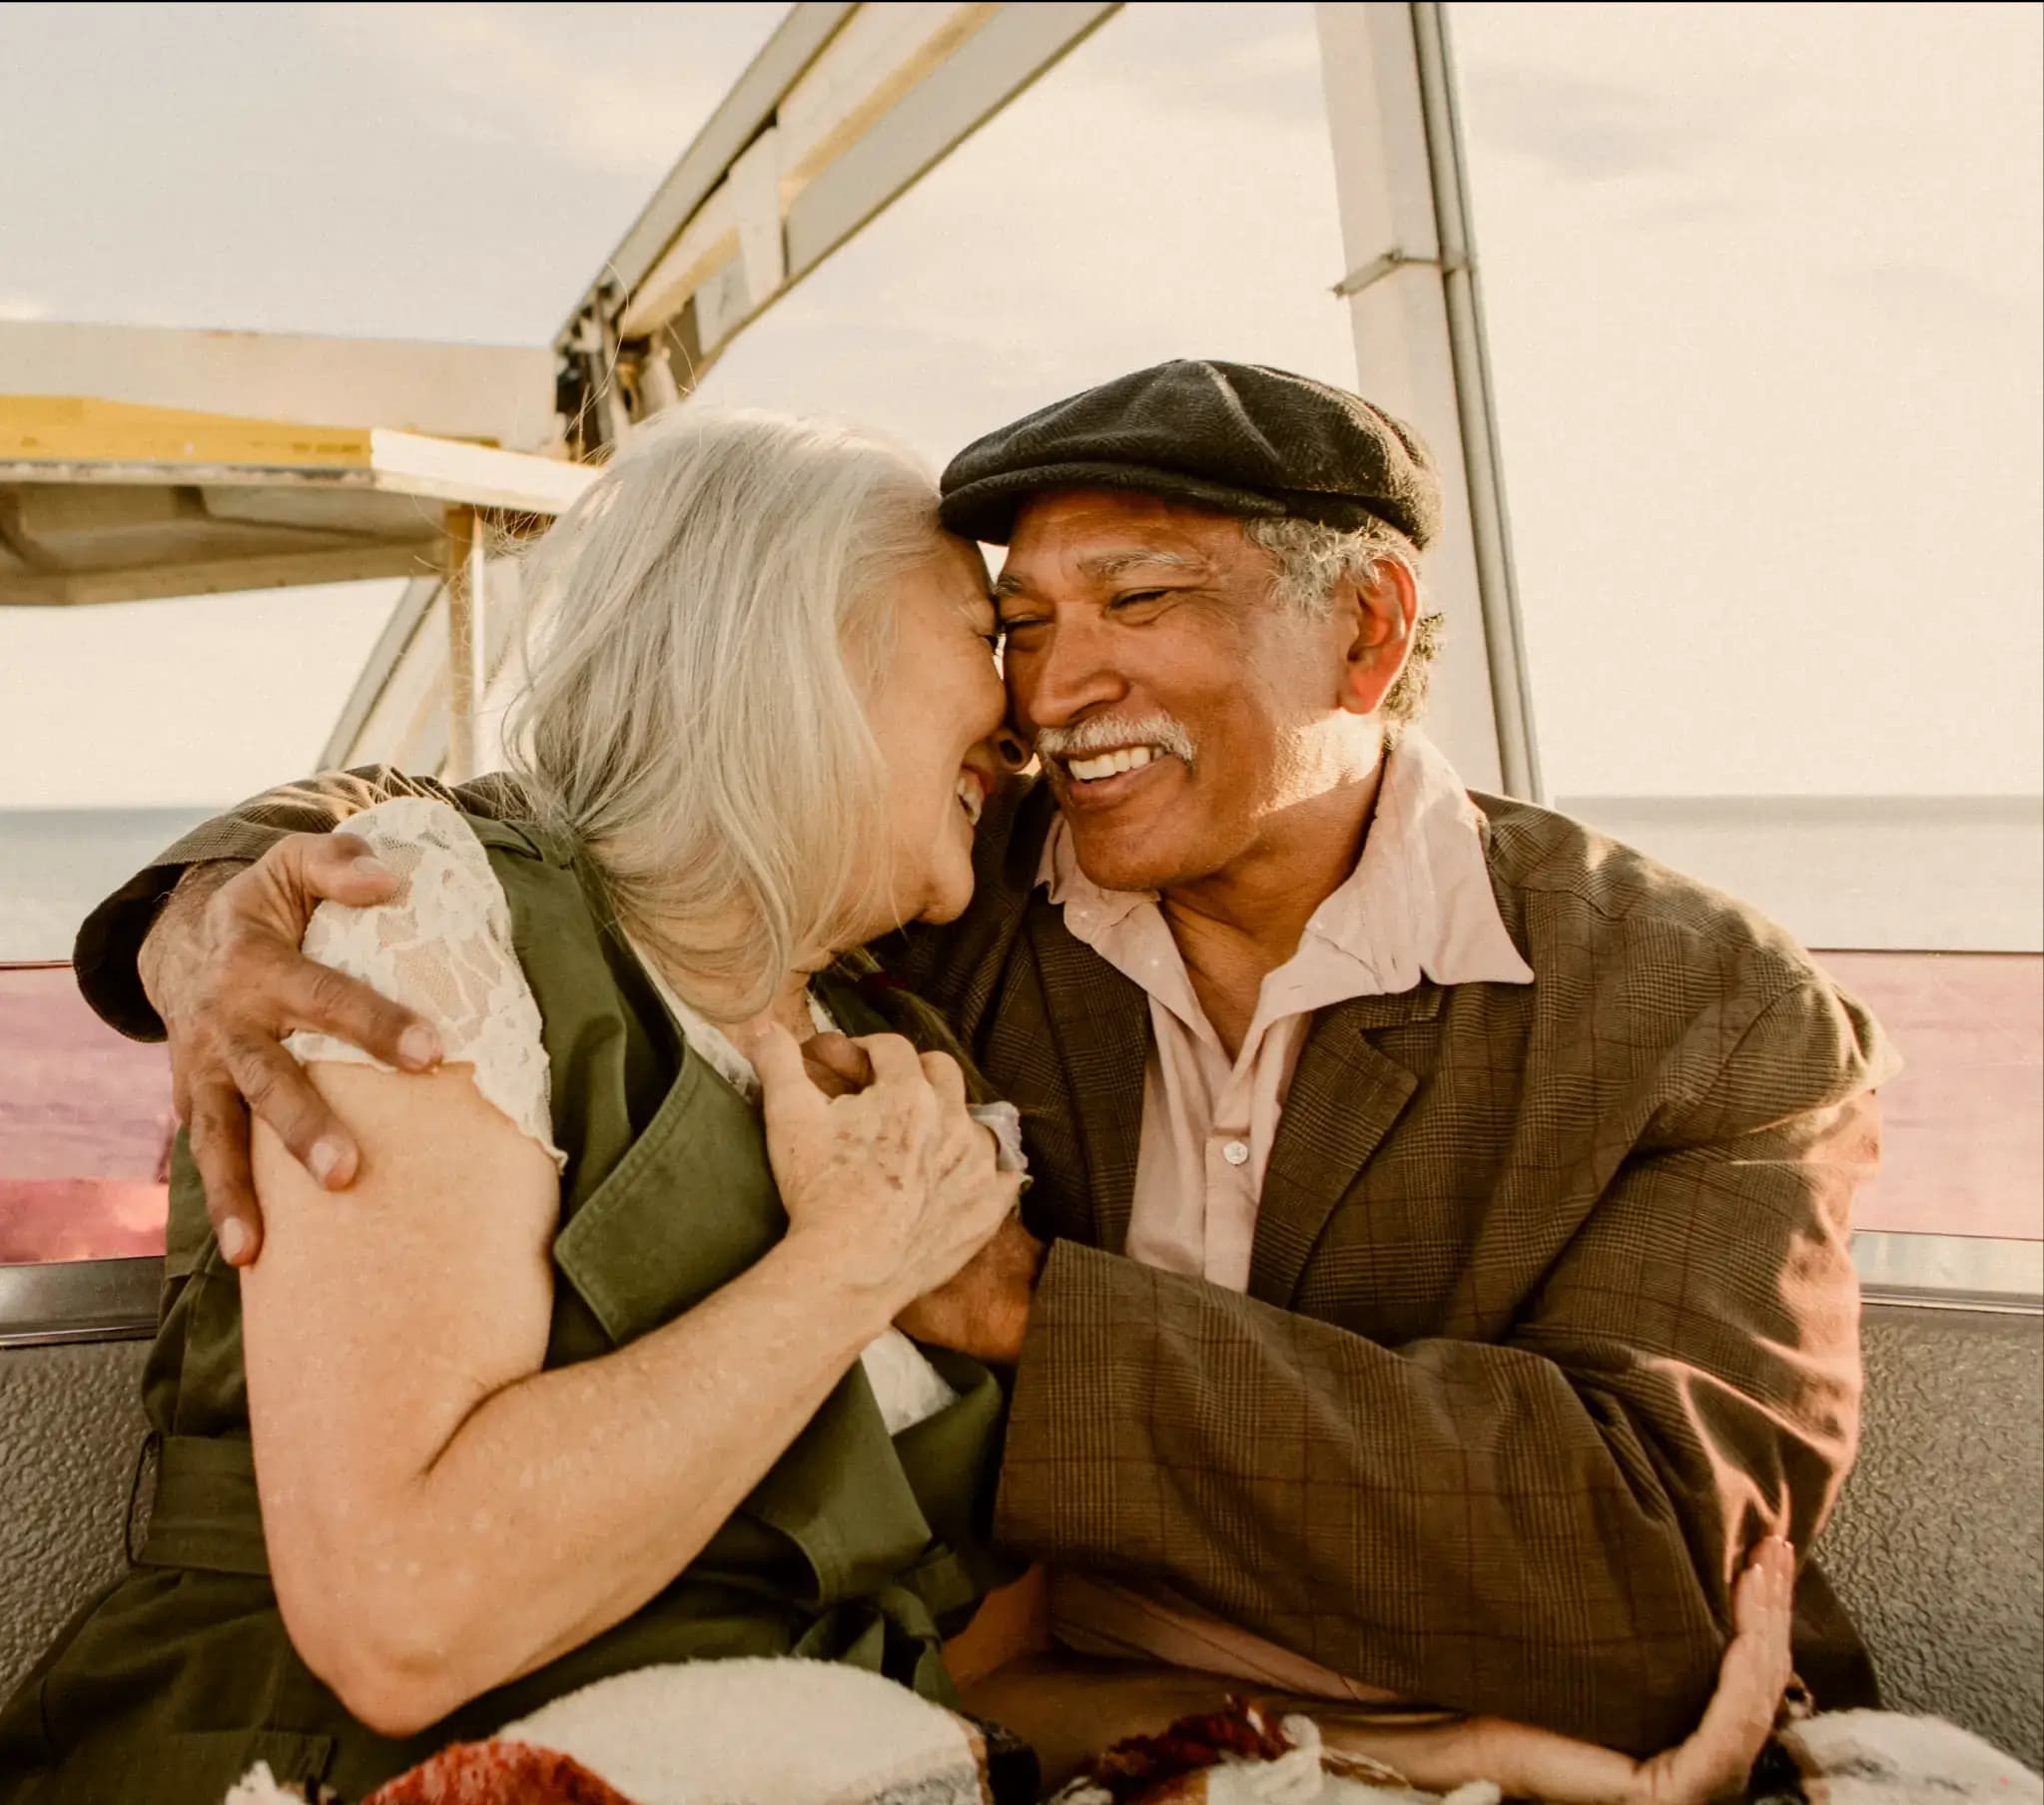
[(1236, 436)]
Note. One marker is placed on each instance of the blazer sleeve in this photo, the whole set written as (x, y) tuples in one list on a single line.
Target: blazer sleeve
[(109, 939), (1543, 1528)]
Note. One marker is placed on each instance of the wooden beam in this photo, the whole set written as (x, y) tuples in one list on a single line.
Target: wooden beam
[(224, 576), (464, 561)]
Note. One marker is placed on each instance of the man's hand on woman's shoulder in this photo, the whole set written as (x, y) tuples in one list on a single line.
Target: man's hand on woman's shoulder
[(223, 969)]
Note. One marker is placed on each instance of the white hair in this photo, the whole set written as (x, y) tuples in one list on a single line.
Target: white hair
[(1310, 560), (713, 613)]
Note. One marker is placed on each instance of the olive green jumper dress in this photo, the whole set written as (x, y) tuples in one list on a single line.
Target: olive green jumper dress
[(856, 1546)]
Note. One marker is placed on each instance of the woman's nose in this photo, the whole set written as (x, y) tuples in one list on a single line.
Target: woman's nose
[(1013, 752)]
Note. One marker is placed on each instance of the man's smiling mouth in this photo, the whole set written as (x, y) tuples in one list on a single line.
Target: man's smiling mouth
[(1099, 766), (1102, 759)]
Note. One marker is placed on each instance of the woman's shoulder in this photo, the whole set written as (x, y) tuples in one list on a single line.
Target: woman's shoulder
[(430, 822), (446, 882), (445, 946), (422, 820), (465, 861)]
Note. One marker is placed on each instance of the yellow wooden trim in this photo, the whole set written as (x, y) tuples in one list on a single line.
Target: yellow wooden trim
[(81, 429)]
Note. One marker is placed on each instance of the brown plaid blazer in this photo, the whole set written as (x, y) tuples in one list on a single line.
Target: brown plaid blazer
[(1551, 1312)]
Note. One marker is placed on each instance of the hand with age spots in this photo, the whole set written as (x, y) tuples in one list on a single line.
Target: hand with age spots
[(891, 1184), (983, 1310)]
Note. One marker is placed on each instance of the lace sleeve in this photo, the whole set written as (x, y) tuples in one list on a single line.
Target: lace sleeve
[(442, 948)]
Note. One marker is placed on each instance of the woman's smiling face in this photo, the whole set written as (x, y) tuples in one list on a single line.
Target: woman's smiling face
[(934, 707)]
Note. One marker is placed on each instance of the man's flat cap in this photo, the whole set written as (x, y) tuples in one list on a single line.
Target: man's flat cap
[(1234, 437)]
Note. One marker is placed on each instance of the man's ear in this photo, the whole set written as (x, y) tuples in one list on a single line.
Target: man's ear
[(1378, 614)]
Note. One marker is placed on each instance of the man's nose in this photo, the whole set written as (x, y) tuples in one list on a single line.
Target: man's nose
[(1074, 673)]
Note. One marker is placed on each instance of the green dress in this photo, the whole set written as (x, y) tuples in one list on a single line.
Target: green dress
[(856, 1546)]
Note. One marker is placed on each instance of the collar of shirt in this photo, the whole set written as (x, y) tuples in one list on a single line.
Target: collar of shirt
[(1418, 903)]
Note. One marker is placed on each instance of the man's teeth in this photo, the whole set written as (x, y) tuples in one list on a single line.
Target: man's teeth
[(970, 800), (1112, 763)]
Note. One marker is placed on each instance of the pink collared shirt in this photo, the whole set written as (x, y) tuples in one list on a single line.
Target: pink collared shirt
[(1418, 903)]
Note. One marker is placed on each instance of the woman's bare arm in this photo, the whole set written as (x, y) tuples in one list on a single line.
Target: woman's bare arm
[(443, 1516)]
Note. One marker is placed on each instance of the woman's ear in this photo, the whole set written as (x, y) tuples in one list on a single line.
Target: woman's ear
[(1379, 611)]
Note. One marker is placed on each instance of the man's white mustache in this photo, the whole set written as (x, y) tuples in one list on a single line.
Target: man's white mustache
[(1108, 733)]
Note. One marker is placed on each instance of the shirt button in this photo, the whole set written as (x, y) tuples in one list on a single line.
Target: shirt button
[(1236, 1153)]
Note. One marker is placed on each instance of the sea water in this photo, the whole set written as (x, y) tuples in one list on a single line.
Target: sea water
[(56, 864)]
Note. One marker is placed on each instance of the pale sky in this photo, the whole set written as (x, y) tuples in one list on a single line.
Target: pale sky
[(1762, 288)]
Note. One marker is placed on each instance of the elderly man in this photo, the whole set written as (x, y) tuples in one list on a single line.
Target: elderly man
[(1447, 1272)]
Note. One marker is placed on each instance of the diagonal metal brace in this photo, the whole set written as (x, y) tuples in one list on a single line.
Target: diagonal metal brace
[(1375, 271)]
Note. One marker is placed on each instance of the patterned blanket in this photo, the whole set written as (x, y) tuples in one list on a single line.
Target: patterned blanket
[(783, 1733)]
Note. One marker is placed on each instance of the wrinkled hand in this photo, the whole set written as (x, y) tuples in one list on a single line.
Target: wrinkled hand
[(1525, 1762), (894, 1186), (983, 1311), (230, 982), (836, 1064), (1715, 1763)]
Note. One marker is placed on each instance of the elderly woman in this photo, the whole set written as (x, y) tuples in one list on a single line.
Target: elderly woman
[(593, 1368)]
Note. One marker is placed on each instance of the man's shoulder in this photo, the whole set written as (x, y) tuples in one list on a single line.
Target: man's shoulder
[(1565, 888)]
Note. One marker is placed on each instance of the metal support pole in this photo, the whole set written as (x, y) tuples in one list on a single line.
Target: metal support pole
[(462, 570), (1412, 301), (1483, 465)]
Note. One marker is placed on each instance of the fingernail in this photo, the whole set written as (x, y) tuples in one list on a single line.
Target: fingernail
[(234, 1241), (371, 866), (1781, 1569), (324, 1160), (418, 1048)]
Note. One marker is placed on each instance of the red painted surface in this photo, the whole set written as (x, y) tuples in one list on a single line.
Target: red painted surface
[(85, 1127), (79, 1219), (85, 1116), (1963, 1124)]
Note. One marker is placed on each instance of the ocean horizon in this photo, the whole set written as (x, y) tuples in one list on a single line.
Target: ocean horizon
[(56, 864)]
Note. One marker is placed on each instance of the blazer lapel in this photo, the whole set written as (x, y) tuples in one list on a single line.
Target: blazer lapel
[(1100, 1021), (1344, 1097)]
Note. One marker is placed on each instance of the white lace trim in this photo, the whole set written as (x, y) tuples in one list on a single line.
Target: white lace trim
[(441, 948)]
